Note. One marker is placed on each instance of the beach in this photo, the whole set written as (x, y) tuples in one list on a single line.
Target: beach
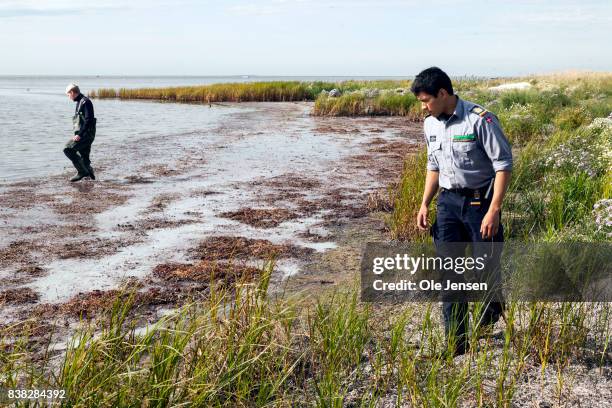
[(269, 174)]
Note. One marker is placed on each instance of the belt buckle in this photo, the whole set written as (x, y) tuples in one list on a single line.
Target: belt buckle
[(475, 199)]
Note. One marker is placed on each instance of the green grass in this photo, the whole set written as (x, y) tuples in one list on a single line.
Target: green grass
[(525, 114), (352, 102), (407, 199), (249, 350), (280, 91), (275, 91), (359, 104)]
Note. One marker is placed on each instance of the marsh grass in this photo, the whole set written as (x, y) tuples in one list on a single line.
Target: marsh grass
[(272, 91), (245, 348), (527, 114), (407, 199), (280, 91), (359, 104)]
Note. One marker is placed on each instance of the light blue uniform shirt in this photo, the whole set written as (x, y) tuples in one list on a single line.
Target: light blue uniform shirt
[(468, 148)]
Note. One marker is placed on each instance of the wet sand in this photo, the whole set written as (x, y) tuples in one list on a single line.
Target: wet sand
[(166, 213)]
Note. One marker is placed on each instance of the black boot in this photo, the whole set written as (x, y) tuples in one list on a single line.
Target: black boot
[(91, 173), (81, 170)]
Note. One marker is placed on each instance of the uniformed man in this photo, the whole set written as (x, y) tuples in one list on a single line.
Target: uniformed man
[(84, 125), (470, 160)]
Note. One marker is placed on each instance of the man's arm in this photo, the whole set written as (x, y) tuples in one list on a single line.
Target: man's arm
[(499, 151), (431, 188), (490, 222), (88, 117)]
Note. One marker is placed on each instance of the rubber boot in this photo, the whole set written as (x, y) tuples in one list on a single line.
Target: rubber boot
[(81, 170), (91, 173)]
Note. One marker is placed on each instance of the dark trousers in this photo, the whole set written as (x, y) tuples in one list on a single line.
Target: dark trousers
[(81, 149), (73, 150), (459, 221)]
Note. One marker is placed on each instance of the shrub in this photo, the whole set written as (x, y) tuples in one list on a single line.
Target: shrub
[(572, 118), (522, 123)]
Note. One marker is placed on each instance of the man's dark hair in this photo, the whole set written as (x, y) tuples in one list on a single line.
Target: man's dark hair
[(431, 81)]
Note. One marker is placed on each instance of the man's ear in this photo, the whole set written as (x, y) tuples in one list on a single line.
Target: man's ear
[(442, 93)]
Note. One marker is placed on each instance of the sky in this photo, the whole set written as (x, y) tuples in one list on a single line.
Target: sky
[(303, 37)]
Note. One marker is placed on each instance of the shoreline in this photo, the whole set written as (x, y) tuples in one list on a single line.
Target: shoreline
[(151, 230)]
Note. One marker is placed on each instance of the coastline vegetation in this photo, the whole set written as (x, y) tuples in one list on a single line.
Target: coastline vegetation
[(246, 348), (276, 91), (523, 112), (365, 102), (243, 347)]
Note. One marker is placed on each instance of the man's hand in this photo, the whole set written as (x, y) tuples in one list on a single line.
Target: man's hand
[(76, 138), (490, 224), (422, 217), (431, 187)]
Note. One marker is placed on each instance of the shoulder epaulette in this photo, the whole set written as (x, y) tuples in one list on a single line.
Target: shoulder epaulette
[(479, 111)]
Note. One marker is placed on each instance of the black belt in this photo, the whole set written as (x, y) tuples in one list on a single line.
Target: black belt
[(468, 192)]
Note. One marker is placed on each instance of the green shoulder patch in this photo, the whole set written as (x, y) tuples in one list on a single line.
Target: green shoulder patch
[(478, 110)]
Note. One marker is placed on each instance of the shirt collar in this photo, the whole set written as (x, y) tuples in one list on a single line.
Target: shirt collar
[(79, 97), (459, 109)]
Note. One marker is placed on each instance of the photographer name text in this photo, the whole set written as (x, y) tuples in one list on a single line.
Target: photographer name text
[(428, 285)]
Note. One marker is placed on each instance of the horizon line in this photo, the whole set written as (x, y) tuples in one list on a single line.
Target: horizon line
[(517, 75)]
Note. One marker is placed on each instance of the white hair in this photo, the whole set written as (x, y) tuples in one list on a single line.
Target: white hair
[(73, 87)]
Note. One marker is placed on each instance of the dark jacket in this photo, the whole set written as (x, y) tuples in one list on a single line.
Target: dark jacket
[(86, 109)]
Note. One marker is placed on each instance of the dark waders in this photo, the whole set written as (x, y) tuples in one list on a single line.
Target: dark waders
[(78, 152)]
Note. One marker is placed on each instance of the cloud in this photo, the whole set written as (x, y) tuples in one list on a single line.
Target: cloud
[(564, 12), (30, 12), (567, 17), (254, 9), (268, 7), (53, 8)]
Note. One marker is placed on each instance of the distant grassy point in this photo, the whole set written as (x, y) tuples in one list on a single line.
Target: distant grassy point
[(507, 97), (279, 91), (346, 98), (274, 91)]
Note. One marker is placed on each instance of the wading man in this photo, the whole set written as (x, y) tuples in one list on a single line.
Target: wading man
[(84, 125), (470, 161)]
